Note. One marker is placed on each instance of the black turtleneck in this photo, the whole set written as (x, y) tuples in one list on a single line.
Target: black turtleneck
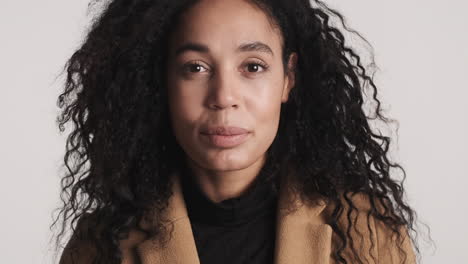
[(236, 230)]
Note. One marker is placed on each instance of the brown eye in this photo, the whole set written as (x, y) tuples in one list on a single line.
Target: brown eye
[(194, 67), (253, 67), (256, 67)]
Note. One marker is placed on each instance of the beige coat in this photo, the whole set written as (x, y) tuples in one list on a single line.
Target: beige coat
[(303, 237)]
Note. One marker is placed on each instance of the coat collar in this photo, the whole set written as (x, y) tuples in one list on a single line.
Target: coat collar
[(302, 237)]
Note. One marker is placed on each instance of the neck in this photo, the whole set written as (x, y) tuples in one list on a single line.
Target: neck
[(221, 185)]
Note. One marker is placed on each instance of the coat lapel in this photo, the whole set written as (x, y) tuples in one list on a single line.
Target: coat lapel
[(181, 248), (302, 237)]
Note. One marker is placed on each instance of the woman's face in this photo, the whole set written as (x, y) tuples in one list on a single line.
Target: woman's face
[(225, 70)]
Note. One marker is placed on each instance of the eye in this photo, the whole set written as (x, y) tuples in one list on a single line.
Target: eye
[(194, 67), (257, 66)]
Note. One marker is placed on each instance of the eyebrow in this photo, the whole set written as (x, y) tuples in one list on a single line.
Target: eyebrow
[(245, 47)]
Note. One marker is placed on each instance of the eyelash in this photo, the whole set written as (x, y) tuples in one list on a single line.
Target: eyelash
[(262, 64)]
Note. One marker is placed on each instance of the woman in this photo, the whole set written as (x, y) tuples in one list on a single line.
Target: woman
[(225, 132)]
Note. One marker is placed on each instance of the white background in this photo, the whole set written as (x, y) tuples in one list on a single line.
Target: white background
[(421, 48)]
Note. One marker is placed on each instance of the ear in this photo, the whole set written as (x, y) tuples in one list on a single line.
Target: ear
[(290, 79)]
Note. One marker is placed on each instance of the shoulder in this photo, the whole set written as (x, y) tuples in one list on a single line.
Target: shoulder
[(371, 238), (81, 247)]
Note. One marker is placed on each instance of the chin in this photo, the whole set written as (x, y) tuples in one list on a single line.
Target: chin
[(227, 161)]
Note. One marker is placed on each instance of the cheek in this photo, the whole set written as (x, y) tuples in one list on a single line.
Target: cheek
[(185, 100), (266, 112), (184, 109), (266, 102), (265, 109)]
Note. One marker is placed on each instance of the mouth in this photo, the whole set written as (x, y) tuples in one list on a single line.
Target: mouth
[(225, 136), (224, 130)]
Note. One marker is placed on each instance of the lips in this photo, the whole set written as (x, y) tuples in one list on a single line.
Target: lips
[(224, 130), (225, 136)]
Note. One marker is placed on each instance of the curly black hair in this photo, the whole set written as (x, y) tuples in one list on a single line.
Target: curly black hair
[(122, 150)]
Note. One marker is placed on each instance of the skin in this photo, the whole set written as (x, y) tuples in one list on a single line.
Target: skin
[(230, 88)]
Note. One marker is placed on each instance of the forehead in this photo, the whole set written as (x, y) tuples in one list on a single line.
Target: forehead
[(224, 25)]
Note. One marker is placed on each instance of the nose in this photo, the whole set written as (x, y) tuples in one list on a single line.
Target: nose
[(224, 90)]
